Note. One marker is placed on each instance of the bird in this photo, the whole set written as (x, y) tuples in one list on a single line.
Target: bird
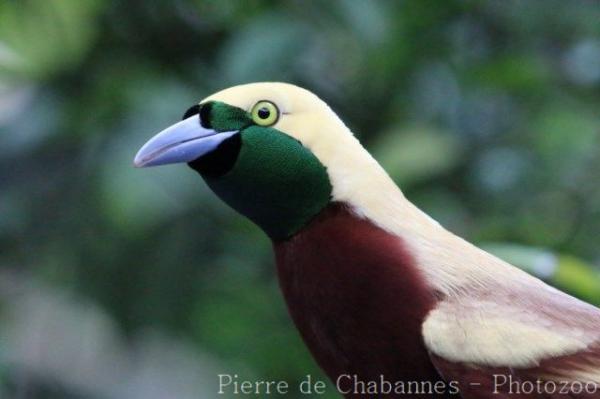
[(387, 301)]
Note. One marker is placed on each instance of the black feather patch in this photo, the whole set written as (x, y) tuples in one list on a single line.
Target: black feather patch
[(221, 160), (193, 110), (205, 110)]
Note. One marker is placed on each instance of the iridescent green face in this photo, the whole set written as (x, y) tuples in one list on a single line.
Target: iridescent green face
[(263, 173)]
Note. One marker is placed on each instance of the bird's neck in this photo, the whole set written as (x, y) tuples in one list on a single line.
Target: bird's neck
[(281, 194)]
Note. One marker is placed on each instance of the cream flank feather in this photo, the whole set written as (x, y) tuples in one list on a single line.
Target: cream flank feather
[(491, 314)]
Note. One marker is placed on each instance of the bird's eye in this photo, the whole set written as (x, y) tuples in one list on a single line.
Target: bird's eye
[(265, 113)]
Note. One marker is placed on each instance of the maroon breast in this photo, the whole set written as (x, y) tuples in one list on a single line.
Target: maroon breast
[(357, 298)]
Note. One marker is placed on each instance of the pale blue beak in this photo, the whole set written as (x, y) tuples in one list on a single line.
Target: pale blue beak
[(185, 141)]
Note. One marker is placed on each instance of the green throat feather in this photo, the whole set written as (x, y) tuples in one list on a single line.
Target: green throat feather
[(271, 178)]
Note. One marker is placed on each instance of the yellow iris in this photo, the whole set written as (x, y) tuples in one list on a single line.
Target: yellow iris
[(265, 113)]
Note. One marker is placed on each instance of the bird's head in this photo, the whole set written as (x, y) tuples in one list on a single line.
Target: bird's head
[(274, 152)]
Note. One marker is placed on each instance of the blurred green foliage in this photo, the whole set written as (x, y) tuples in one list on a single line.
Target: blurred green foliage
[(485, 113)]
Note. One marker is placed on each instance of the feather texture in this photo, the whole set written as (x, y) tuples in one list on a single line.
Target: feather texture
[(359, 311)]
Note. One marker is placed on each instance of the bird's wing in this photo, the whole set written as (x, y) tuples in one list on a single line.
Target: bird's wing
[(488, 337)]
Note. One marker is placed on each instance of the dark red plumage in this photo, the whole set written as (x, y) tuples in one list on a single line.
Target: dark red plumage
[(357, 298)]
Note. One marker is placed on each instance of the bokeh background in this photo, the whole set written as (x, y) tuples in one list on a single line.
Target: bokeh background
[(125, 283)]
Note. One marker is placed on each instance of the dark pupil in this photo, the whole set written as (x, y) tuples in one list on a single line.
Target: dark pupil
[(264, 113)]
